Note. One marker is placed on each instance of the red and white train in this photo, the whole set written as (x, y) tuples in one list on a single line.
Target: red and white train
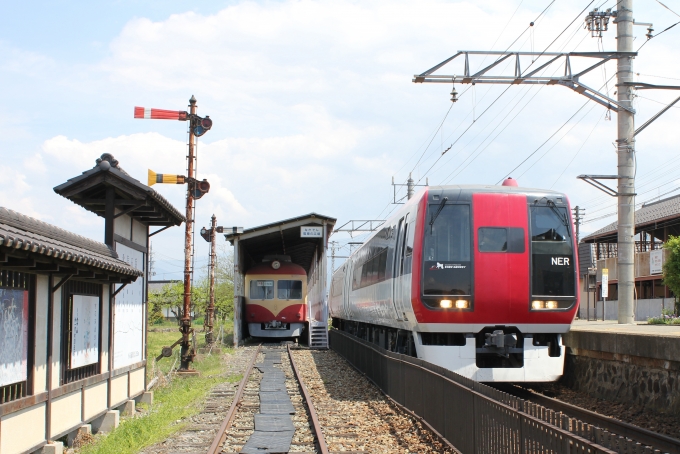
[(481, 280)]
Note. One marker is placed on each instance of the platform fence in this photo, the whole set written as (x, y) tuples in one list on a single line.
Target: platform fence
[(473, 417)]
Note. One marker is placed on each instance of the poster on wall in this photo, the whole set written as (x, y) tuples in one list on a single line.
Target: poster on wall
[(13, 336), (84, 331), (129, 313), (656, 261)]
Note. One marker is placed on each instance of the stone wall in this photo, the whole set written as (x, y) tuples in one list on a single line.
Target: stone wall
[(648, 382)]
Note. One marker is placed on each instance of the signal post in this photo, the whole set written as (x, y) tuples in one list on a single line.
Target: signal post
[(187, 353), (195, 190)]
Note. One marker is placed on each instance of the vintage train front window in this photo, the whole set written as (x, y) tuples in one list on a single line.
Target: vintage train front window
[(261, 289), (289, 290)]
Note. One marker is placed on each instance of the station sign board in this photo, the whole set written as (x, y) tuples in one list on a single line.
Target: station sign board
[(605, 282), (311, 232)]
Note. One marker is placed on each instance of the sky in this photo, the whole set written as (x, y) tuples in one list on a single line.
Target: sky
[(314, 107)]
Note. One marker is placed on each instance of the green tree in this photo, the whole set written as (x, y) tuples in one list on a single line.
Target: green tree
[(671, 269), (171, 296)]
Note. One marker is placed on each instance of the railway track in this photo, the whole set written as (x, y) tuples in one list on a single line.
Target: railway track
[(651, 442), (272, 410)]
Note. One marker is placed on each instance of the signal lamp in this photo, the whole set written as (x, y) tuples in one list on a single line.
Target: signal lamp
[(201, 125), (165, 178), (205, 233), (200, 188), (462, 304), (446, 304)]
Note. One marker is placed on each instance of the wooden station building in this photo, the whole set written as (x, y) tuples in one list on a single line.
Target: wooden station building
[(73, 310)]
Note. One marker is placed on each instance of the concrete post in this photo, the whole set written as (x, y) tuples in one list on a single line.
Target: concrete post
[(626, 165)]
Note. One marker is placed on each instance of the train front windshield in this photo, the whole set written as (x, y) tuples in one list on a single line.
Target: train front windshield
[(552, 252), (447, 251)]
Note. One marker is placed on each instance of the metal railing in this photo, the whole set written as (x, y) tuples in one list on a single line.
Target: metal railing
[(473, 417)]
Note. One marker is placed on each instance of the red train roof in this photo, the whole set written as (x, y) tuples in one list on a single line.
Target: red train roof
[(285, 268)]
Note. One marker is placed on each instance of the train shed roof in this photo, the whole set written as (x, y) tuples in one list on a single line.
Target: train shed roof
[(283, 238)]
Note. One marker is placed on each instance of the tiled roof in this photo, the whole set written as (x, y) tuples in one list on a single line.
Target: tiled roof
[(650, 213), (23, 233), (108, 171)]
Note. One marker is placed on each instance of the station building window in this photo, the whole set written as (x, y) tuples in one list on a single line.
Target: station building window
[(17, 321), (81, 333)]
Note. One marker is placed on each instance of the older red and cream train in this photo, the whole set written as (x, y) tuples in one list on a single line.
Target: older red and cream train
[(276, 298), (481, 280)]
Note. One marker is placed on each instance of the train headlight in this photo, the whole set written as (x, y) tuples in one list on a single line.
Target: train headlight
[(462, 304), (537, 304), (276, 264), (446, 304)]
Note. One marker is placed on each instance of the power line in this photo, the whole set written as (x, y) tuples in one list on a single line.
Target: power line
[(548, 139)]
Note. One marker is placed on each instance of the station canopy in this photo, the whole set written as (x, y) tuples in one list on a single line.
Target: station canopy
[(284, 238)]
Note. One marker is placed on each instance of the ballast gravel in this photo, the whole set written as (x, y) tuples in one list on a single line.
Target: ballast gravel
[(354, 415)]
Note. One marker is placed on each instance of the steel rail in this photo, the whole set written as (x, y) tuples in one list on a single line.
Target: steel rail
[(222, 432), (323, 448), (647, 437)]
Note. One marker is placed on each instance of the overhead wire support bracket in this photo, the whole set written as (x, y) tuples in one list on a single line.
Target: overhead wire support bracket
[(359, 226), (658, 114), (569, 79), (592, 180)]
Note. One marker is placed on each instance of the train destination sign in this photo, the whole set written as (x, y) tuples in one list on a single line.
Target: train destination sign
[(311, 232)]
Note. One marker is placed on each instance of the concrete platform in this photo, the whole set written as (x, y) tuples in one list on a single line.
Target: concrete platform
[(637, 364)]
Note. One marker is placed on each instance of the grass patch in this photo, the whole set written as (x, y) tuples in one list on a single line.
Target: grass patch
[(173, 402), (667, 317)]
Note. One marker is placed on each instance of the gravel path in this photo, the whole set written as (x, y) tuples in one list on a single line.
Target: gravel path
[(354, 415), (199, 430)]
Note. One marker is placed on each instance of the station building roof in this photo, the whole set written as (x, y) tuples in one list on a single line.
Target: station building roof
[(133, 197), (31, 245), (660, 219), (283, 238)]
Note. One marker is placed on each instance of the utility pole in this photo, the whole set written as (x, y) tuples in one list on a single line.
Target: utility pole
[(577, 212), (625, 145), (187, 353), (333, 243), (211, 303), (409, 187)]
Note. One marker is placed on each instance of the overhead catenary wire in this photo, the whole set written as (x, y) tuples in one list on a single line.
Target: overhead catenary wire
[(548, 139), (456, 171), (505, 91)]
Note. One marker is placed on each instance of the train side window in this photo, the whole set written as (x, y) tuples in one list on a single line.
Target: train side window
[(382, 265), (501, 239), (261, 289), (289, 290)]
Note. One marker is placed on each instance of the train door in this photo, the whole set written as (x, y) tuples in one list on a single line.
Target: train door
[(346, 294), (398, 265)]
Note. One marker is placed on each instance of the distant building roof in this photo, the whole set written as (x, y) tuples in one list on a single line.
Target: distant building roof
[(159, 284), (133, 197), (649, 216), (34, 245)]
